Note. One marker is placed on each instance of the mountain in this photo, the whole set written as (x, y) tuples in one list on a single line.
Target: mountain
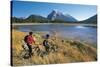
[(31, 18), (17, 20), (56, 15), (36, 18), (92, 20)]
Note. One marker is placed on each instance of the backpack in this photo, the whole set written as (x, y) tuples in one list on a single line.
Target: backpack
[(25, 38), (45, 43)]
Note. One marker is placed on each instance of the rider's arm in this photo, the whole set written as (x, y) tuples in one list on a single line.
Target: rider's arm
[(34, 39)]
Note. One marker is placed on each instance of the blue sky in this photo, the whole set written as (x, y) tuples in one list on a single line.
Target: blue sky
[(25, 8)]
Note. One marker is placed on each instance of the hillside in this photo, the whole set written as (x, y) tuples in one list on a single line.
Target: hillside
[(91, 20), (67, 51), (36, 18)]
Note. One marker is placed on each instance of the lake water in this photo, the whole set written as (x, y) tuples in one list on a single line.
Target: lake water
[(87, 34)]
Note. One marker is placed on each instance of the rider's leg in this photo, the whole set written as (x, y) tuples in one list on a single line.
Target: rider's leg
[(47, 48), (30, 49)]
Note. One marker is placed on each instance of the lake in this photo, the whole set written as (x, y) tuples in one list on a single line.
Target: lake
[(87, 34)]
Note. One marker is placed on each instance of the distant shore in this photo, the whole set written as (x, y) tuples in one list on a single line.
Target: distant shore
[(77, 24)]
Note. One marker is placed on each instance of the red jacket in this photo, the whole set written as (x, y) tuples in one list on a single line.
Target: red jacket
[(30, 40)]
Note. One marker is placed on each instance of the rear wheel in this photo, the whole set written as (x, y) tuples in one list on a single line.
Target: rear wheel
[(24, 54)]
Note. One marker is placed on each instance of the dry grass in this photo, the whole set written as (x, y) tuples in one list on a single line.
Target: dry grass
[(67, 51)]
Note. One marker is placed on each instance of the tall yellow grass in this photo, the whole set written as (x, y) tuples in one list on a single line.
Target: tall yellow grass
[(68, 51)]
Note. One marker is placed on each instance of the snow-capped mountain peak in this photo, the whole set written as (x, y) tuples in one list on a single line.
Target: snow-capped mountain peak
[(57, 15)]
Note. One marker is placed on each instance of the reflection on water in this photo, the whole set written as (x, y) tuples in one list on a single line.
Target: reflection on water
[(83, 33), (82, 27)]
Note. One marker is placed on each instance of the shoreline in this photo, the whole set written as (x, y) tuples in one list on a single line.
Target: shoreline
[(70, 24)]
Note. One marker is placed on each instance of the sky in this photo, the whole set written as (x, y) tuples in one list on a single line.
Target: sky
[(25, 9)]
